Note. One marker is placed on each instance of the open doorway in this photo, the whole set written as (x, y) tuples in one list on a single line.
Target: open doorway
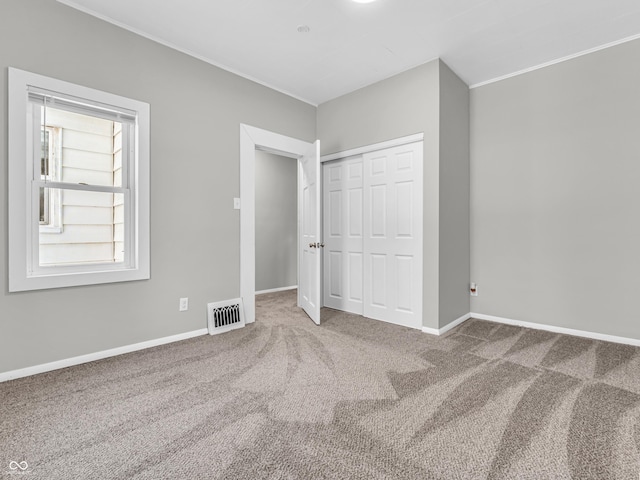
[(276, 222), (307, 154)]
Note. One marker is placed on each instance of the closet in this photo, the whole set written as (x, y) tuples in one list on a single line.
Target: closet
[(372, 226)]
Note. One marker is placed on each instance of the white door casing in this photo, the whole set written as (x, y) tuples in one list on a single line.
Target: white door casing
[(310, 236), (252, 138)]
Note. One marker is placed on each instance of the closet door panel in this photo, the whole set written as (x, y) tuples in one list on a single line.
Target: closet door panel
[(343, 234), (378, 272), (404, 278), (354, 272), (334, 288), (393, 235)]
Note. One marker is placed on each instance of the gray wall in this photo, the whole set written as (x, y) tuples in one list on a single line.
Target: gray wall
[(196, 110), (555, 182), (402, 105), (276, 221), (454, 197), (398, 106)]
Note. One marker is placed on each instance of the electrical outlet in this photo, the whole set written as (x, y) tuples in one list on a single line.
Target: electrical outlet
[(184, 304)]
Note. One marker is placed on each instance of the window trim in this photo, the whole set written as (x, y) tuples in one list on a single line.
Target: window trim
[(21, 192)]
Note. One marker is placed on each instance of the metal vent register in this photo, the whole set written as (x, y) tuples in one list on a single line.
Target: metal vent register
[(225, 316)]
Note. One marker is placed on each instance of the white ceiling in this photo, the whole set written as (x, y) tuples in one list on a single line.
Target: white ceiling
[(351, 45)]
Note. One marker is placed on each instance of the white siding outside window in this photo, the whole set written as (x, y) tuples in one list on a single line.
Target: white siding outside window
[(87, 232)]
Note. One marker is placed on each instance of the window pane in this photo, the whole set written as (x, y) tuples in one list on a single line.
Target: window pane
[(44, 155), (44, 204), (92, 230), (117, 154), (88, 145), (46, 173)]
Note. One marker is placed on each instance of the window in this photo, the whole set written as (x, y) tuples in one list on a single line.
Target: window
[(78, 185)]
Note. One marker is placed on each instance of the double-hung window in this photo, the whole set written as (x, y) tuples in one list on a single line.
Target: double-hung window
[(78, 185)]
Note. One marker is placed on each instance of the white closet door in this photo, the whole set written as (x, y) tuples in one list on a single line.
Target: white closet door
[(393, 235), (343, 219)]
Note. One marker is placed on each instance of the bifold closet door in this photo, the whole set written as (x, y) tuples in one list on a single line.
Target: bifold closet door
[(343, 217), (392, 227), (373, 235)]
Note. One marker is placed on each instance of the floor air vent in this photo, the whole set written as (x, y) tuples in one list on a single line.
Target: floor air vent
[(225, 316)]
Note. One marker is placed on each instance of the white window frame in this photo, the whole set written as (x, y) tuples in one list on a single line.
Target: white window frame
[(25, 273)]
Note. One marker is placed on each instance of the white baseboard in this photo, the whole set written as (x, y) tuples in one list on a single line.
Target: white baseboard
[(446, 328), (273, 290), (69, 362), (552, 328), (535, 326)]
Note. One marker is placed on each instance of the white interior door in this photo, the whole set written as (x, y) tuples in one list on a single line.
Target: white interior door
[(310, 240), (342, 233)]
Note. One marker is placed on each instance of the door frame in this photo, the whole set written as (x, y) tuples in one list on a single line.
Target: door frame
[(396, 142), (252, 139)]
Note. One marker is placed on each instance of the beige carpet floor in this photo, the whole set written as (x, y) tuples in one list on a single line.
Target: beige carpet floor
[(351, 399)]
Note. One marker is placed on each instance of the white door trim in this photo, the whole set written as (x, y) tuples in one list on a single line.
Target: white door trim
[(396, 142), (252, 138)]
